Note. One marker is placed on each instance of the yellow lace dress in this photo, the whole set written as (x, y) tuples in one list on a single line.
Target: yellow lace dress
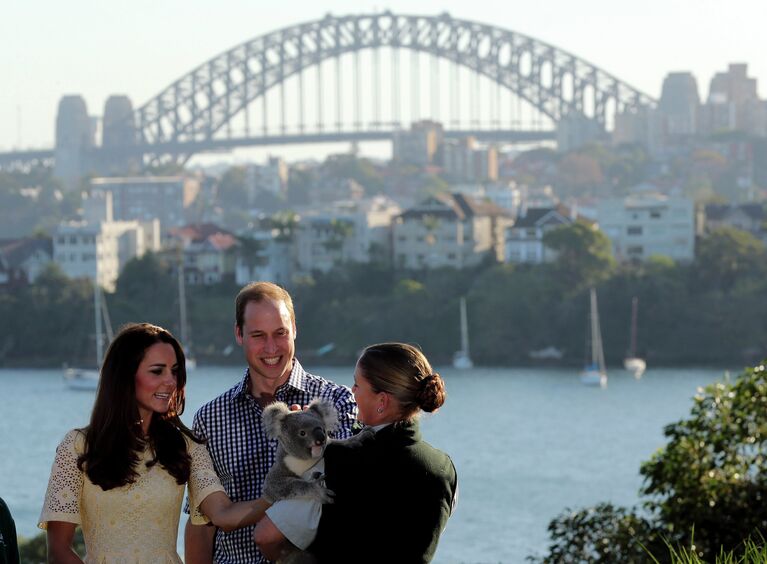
[(135, 524)]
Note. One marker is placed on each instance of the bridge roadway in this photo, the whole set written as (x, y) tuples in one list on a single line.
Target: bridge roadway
[(213, 145)]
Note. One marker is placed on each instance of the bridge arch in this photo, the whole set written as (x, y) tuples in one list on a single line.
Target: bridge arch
[(198, 105)]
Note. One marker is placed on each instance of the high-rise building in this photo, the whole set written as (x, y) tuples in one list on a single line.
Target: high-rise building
[(269, 178), (575, 130), (733, 103), (420, 145), (463, 160)]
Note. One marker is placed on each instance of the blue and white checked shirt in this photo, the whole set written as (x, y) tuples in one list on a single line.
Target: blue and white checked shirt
[(241, 453)]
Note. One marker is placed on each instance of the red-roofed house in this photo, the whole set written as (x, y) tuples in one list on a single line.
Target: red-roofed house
[(209, 252)]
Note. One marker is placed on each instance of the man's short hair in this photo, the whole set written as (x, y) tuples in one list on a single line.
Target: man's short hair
[(257, 292)]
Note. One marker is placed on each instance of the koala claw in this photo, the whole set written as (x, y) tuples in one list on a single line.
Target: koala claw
[(324, 494)]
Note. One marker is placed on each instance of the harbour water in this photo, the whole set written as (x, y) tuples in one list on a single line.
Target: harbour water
[(527, 443)]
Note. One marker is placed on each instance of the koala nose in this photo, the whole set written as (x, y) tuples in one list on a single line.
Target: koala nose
[(319, 436)]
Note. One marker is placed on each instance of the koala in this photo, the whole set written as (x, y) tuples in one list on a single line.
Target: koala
[(302, 438)]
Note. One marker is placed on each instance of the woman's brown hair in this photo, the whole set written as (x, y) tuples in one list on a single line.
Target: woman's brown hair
[(114, 439)]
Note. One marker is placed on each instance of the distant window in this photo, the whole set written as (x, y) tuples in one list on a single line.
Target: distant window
[(634, 230), (655, 214), (634, 251), (531, 232)]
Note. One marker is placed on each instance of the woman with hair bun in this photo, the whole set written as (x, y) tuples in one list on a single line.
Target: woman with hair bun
[(394, 492)]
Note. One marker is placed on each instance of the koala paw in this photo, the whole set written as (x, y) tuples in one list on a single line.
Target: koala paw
[(324, 495)]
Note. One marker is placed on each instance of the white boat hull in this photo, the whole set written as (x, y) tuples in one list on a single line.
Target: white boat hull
[(81, 379), (462, 361), (594, 378), (635, 365)]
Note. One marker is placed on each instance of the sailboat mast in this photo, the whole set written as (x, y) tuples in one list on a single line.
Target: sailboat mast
[(593, 319), (182, 301), (634, 311), (464, 328), (97, 315)]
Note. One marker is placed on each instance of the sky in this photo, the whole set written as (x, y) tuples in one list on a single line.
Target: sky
[(49, 48)]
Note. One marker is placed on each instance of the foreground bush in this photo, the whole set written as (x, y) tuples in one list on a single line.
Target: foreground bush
[(705, 490)]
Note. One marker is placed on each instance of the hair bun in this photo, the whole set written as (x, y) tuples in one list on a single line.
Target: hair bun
[(432, 394)]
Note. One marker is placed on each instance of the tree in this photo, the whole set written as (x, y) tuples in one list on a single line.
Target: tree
[(286, 223), (147, 290), (579, 174), (728, 255), (604, 534), (584, 255), (710, 480), (705, 489), (232, 188)]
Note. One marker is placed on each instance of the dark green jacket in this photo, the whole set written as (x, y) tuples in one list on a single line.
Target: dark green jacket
[(393, 495), (9, 549)]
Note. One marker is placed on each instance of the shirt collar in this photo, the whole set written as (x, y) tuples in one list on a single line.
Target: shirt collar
[(296, 380)]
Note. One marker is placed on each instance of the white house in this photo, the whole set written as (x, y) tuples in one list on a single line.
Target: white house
[(524, 239), (644, 225), (97, 250)]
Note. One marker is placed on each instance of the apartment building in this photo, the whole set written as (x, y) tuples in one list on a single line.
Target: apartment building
[(449, 230), (144, 198), (97, 250), (641, 226), (345, 231)]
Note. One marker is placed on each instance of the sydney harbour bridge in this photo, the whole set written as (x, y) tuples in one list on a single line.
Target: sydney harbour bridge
[(357, 78)]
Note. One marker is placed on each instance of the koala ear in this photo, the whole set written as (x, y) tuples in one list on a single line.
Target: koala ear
[(326, 412), (273, 417)]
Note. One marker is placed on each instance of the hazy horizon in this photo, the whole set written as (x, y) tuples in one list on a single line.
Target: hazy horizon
[(98, 49)]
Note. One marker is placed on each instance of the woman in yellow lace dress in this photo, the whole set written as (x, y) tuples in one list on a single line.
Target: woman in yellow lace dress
[(122, 478)]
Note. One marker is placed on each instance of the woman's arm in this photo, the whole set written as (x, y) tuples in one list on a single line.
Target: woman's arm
[(230, 516), (60, 535), (198, 543)]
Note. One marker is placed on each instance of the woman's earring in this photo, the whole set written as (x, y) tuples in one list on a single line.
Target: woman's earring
[(380, 410)]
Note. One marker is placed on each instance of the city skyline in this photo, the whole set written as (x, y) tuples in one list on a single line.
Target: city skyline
[(76, 48)]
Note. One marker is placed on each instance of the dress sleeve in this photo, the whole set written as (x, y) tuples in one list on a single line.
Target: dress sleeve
[(65, 486), (203, 480)]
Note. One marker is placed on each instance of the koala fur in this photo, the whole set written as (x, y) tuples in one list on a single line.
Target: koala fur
[(302, 438)]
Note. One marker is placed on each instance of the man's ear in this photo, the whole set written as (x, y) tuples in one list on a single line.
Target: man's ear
[(295, 331), (238, 333)]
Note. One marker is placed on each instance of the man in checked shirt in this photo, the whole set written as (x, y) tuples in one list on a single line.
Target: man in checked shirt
[(265, 328)]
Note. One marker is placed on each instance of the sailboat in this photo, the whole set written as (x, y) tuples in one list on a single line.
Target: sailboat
[(88, 378), (594, 373), (461, 358), (186, 340), (632, 362)]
